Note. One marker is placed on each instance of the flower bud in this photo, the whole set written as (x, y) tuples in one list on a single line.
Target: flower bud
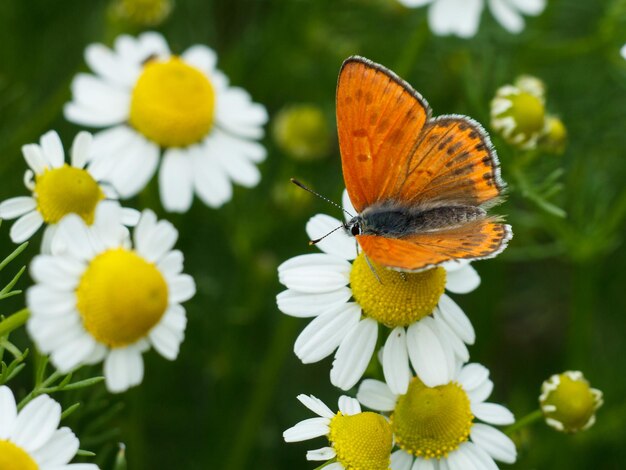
[(302, 132), (142, 12)]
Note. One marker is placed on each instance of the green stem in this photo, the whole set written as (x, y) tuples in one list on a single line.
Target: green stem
[(580, 328), (39, 389), (527, 420), (14, 321)]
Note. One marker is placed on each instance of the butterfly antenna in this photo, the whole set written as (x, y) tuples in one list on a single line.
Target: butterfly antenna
[(299, 184), (316, 241)]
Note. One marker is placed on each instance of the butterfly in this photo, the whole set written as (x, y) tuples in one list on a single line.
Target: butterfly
[(421, 185)]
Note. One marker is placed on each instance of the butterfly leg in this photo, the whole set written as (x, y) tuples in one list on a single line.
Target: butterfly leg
[(403, 276), (369, 263)]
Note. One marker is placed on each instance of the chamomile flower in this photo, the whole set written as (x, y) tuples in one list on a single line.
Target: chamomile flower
[(568, 403), (623, 51), (349, 302), (97, 297), (358, 440), (57, 189), (31, 438), (153, 102), (462, 17), (435, 427)]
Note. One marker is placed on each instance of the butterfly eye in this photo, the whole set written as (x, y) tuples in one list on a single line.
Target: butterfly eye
[(355, 230)]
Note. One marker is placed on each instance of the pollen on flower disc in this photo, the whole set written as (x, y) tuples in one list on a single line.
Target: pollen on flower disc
[(173, 103), (121, 297), (362, 441), (13, 457), (395, 299)]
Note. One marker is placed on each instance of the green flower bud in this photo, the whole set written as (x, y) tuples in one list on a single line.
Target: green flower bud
[(142, 12), (554, 138), (302, 132)]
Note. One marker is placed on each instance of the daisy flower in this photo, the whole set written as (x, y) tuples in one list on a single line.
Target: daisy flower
[(337, 287), (358, 440), (153, 102), (31, 438), (623, 51), (435, 427), (568, 403), (462, 17), (98, 298), (57, 189)]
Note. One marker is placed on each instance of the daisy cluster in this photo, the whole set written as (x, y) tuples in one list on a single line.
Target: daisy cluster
[(108, 282), (431, 409)]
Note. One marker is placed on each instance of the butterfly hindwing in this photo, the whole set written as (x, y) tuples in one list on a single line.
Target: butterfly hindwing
[(379, 119), (475, 240)]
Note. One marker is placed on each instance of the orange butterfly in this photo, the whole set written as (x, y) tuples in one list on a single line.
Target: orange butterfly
[(421, 185)]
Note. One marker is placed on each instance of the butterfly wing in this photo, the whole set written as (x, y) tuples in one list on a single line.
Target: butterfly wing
[(379, 118), (474, 240)]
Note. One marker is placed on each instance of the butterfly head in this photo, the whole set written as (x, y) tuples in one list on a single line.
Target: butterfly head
[(354, 226)]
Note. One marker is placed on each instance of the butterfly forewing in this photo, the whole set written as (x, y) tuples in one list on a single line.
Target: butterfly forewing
[(379, 119)]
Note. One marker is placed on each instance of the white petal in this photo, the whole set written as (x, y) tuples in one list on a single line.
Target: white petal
[(427, 354), (210, 180), (52, 149), (334, 466), (338, 243), (62, 273), (325, 453), (421, 464), (145, 226), (316, 405), (623, 51), (396, 361), (59, 450), (462, 281), (493, 413), (136, 167), (172, 263), (414, 4), (97, 103), (460, 459), (473, 376), (529, 7), (455, 17), (315, 273), (73, 235), (349, 406), (350, 211), (354, 354), (52, 332), (8, 411), (109, 66), (123, 368), (376, 395), (36, 423), (236, 112), (168, 334), (73, 353), (322, 336), (456, 319), (201, 57), (507, 16), (181, 288), (80, 149), (157, 242), (494, 442), (35, 158), (307, 429), (482, 460), (297, 304), (152, 43), (109, 147), (450, 337), (44, 300), (176, 181), (400, 460), (239, 168), (480, 394), (26, 226), (16, 207)]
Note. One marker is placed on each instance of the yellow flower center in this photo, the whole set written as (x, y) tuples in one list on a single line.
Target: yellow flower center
[(528, 112), (121, 297), (397, 299), (574, 401), (67, 190), (13, 457), (430, 422), (362, 441), (173, 103)]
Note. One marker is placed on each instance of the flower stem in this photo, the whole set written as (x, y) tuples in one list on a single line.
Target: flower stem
[(14, 321), (527, 420)]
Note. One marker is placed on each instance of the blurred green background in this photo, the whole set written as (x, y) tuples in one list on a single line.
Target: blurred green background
[(553, 301)]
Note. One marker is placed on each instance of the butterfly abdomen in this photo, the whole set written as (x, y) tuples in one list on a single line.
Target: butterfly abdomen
[(397, 222)]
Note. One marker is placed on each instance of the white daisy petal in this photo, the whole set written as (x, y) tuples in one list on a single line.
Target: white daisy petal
[(427, 355), (415, 4), (167, 336), (493, 413), (481, 393), (145, 226), (68, 356), (52, 332), (236, 112), (158, 241), (422, 464), (494, 442), (74, 236), (110, 67), (350, 211), (349, 406), (25, 226), (239, 168), (35, 158), (93, 96), (136, 167), (181, 288), (473, 376), (461, 459), (210, 180), (57, 272), (80, 149), (338, 243), (16, 207), (354, 354), (325, 453), (44, 300), (450, 337), (201, 57), (36, 423), (400, 460), (8, 411), (172, 263), (176, 181), (123, 368), (334, 466), (529, 7), (297, 304), (52, 149), (59, 450), (396, 361), (315, 273), (454, 17), (482, 460), (307, 429), (507, 15), (376, 395), (316, 405), (322, 336), (462, 281), (456, 319), (152, 43)]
